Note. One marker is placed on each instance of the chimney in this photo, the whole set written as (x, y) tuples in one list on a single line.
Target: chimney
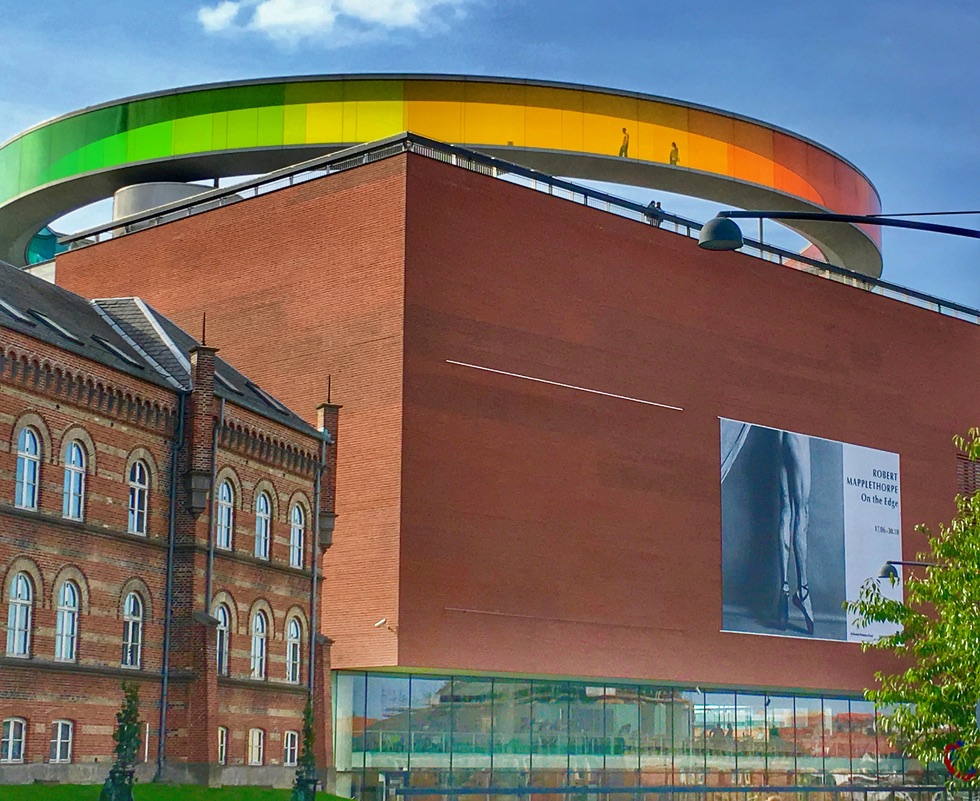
[(200, 428), (327, 420)]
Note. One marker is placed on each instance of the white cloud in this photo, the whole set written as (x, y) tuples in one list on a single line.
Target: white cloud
[(218, 18), (343, 20)]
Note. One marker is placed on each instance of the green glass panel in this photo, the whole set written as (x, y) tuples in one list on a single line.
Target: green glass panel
[(150, 142), (115, 149), (837, 737), (243, 127), (313, 92), (219, 130), (270, 125), (10, 169), (348, 721), (193, 134)]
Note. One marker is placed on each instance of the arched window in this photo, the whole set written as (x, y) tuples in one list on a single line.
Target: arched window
[(73, 506), (294, 639), (256, 746), (263, 525), (260, 631), (223, 649), (12, 743), (226, 515), (297, 531), (28, 468), (62, 734), (132, 644), (139, 497), (222, 745), (66, 626), (19, 616), (290, 749)]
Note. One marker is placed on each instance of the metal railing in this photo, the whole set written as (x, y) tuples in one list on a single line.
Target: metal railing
[(465, 158)]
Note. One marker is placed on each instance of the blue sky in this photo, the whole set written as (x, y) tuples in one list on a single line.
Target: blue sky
[(889, 84)]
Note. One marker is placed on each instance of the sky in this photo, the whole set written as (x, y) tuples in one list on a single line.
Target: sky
[(888, 84)]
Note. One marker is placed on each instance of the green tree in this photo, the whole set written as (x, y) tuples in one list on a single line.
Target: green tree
[(931, 702), (118, 785), (304, 785)]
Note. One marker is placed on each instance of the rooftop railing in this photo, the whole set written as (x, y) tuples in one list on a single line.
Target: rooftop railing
[(465, 158)]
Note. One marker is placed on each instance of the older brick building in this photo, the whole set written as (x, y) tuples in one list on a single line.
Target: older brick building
[(118, 562)]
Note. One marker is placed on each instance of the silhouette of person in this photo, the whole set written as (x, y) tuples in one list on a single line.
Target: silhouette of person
[(654, 213), (674, 155), (624, 148), (794, 521)]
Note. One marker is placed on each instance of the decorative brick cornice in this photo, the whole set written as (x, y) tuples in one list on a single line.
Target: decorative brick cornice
[(254, 443), (60, 382)]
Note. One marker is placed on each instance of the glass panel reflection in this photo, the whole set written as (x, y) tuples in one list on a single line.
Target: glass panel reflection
[(472, 705), (720, 719), (689, 765), (781, 745), (464, 736), (430, 715), (656, 720), (511, 732)]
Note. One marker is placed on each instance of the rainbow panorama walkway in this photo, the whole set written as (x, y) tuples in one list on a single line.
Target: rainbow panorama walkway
[(568, 130)]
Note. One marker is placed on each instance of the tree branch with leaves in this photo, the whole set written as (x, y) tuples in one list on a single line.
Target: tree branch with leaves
[(931, 703)]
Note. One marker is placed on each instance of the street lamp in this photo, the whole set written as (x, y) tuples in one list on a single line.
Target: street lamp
[(722, 233), (889, 571)]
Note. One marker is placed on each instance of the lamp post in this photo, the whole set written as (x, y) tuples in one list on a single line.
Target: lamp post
[(889, 570), (722, 233)]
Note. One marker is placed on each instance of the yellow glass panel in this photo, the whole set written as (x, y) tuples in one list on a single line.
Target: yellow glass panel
[(709, 139), (435, 108), (373, 110), (325, 122), (543, 119), (605, 118), (660, 125), (493, 114), (294, 129)]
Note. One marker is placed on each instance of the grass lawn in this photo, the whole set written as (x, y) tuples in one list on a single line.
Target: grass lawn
[(147, 792)]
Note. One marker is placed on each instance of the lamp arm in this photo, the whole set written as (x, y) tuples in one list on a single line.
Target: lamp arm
[(852, 218)]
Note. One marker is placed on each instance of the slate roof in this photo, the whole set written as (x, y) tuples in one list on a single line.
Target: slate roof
[(125, 334)]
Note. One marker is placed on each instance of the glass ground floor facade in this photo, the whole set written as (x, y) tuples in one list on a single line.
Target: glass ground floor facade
[(400, 735)]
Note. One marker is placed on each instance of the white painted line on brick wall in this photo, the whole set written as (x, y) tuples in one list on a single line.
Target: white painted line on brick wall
[(565, 386)]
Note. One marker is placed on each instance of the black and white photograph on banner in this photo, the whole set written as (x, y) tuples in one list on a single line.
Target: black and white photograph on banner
[(805, 521)]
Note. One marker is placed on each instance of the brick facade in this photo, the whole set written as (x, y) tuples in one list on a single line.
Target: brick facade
[(118, 420)]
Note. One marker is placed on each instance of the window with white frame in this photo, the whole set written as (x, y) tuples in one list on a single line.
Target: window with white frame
[(260, 632), (139, 497), (62, 732), (222, 745), (66, 623), (12, 742), (20, 611), (256, 747), (294, 640), (290, 749), (263, 525), (226, 515), (132, 643), (73, 505), (223, 615), (28, 468), (297, 531)]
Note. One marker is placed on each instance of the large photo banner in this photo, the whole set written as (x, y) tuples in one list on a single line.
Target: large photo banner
[(805, 522)]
